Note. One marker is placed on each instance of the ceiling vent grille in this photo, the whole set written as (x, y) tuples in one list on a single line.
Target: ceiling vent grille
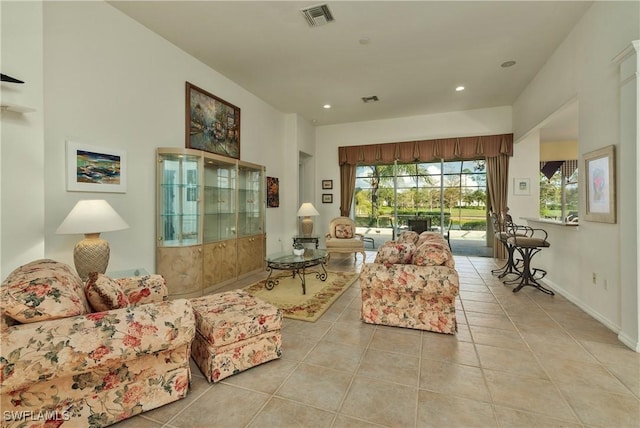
[(371, 99), (317, 15)]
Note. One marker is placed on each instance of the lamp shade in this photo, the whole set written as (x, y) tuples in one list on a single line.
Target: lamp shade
[(91, 216), (307, 209)]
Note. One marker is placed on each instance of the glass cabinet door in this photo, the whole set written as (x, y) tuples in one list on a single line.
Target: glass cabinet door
[(219, 200), (251, 202), (179, 193)]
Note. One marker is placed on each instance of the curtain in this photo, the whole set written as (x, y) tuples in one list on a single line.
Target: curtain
[(497, 187), (347, 188)]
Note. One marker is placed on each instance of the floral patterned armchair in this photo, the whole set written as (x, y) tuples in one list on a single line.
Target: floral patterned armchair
[(412, 283), (342, 238), (63, 364)]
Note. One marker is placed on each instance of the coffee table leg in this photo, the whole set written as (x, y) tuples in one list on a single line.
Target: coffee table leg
[(270, 283), (322, 276), (304, 281)]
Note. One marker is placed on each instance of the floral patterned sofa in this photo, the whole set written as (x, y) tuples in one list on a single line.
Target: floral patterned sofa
[(89, 355), (412, 283)]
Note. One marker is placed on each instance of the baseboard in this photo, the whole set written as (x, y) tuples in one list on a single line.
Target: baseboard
[(629, 341)]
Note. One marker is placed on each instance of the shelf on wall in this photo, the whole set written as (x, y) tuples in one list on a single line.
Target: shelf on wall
[(16, 108)]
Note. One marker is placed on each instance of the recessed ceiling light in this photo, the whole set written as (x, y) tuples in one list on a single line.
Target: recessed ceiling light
[(459, 88), (327, 106), (508, 64)]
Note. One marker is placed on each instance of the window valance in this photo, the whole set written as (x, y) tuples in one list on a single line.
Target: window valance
[(485, 146)]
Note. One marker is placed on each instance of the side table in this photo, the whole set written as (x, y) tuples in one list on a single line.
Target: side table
[(298, 239)]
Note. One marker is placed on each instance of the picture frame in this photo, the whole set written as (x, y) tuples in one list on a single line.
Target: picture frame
[(273, 192), (327, 198), (212, 124), (521, 186), (95, 169), (599, 184), (327, 184)]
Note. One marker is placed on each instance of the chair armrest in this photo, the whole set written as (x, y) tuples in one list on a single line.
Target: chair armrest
[(144, 289), (63, 347)]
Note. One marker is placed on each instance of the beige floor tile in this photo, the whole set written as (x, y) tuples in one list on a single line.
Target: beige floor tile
[(265, 378), (397, 340), (349, 422), (316, 386), (596, 407), (580, 374), (359, 334), (498, 338), (454, 379), (628, 375), (371, 400), (517, 418), (522, 363), (529, 395), (296, 347), (444, 347), (617, 355), (500, 321), (551, 346), (477, 297), (438, 410), (386, 366), (284, 414), (337, 356), (484, 307)]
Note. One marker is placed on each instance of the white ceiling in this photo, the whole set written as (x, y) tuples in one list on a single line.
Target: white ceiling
[(417, 51)]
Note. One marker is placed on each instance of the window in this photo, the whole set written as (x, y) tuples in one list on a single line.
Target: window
[(559, 190)]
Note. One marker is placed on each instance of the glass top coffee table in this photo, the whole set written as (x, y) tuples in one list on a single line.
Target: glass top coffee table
[(297, 265)]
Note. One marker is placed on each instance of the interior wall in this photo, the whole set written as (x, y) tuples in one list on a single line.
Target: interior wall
[(525, 164), (111, 82), (22, 209), (488, 121), (582, 68)]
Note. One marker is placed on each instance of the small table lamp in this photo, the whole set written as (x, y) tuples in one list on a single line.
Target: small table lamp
[(91, 217), (307, 210)]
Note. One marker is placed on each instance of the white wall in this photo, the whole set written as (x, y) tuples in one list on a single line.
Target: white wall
[(111, 82), (582, 68), (22, 209), (488, 121)]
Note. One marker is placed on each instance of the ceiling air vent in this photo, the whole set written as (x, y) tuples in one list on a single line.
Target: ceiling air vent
[(317, 15), (371, 99)]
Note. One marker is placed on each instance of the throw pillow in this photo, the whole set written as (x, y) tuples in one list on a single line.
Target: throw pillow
[(144, 289), (344, 231), (432, 254), (42, 290), (104, 293), (392, 252)]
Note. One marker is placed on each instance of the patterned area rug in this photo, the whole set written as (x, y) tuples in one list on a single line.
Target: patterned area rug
[(287, 294)]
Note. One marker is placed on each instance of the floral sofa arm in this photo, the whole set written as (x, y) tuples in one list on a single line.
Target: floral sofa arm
[(144, 289), (51, 349)]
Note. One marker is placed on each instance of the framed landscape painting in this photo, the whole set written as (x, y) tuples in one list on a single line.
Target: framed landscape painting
[(95, 169), (212, 124)]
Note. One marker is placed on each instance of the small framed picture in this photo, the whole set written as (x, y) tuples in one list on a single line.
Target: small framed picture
[(95, 169), (327, 184), (599, 184), (521, 186), (327, 198)]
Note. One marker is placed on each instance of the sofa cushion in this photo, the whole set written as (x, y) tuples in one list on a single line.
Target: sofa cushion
[(104, 293), (43, 290), (431, 254), (393, 252), (409, 236), (344, 231), (430, 237)]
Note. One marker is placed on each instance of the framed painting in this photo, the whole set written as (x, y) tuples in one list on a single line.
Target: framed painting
[(327, 184), (95, 169), (327, 198), (600, 189), (521, 186), (273, 192), (212, 124)]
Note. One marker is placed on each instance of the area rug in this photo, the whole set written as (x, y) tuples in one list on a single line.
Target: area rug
[(287, 294)]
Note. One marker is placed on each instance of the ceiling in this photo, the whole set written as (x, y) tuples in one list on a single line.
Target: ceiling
[(411, 55)]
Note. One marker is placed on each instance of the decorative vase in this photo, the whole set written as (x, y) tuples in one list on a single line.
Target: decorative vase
[(298, 251)]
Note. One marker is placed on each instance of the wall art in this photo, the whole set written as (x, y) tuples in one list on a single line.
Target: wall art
[(95, 169)]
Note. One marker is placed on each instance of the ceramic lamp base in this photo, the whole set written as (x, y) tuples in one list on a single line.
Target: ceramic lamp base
[(307, 227)]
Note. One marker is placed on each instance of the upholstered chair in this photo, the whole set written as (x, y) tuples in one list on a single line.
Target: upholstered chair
[(342, 238)]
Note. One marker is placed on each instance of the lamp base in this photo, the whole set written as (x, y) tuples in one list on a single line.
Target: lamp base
[(307, 227), (91, 255)]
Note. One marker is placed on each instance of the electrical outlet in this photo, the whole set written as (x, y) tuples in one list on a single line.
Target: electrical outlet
[(594, 278)]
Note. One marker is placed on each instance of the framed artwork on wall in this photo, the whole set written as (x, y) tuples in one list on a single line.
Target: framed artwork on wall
[(327, 184), (212, 124), (95, 169), (327, 198), (600, 190), (521, 186), (273, 192)]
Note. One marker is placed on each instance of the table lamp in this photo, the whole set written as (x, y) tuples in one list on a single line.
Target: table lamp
[(306, 211), (91, 217)]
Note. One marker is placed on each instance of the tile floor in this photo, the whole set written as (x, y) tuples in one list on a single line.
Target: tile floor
[(518, 360)]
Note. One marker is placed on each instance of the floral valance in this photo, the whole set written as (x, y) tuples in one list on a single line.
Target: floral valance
[(485, 146)]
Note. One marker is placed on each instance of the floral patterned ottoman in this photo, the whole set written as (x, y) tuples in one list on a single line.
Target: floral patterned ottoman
[(234, 332)]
